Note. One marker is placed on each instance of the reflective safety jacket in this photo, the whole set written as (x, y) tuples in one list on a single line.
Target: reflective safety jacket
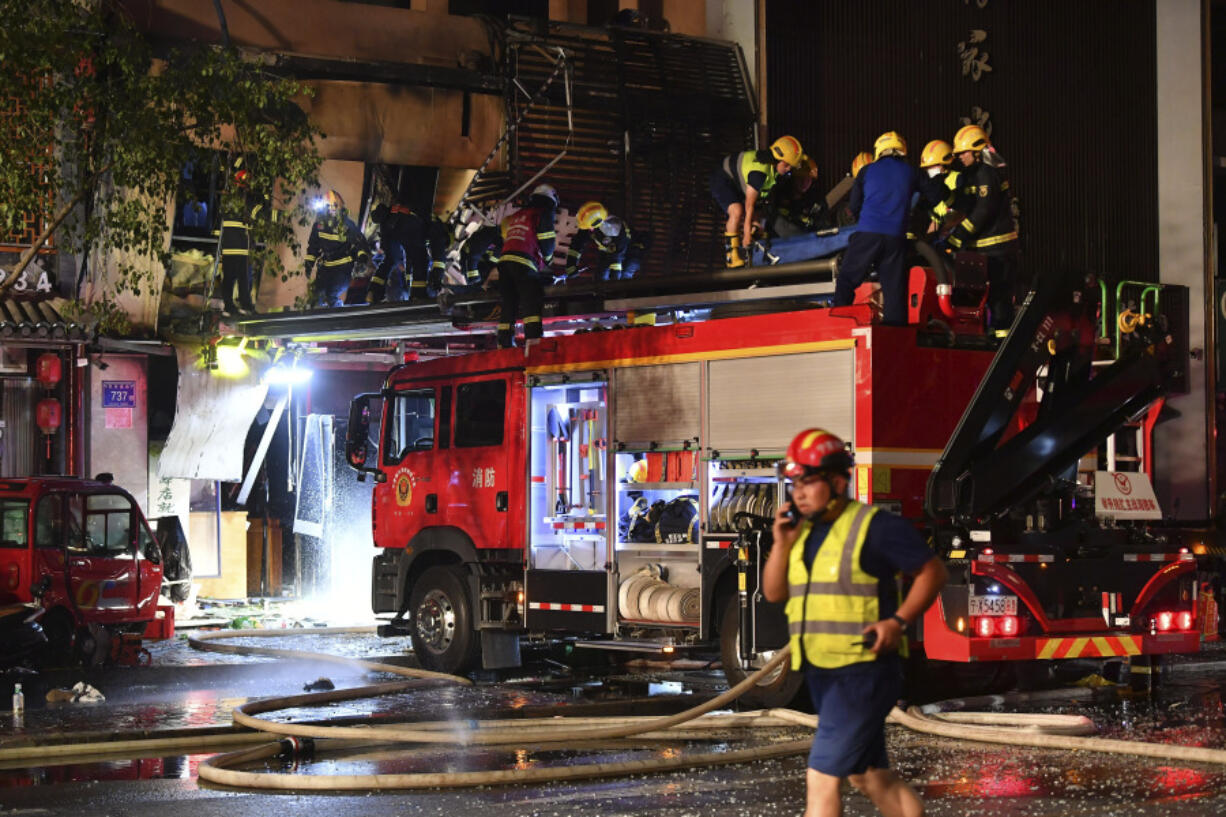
[(234, 226), (984, 197), (438, 239), (752, 168), (829, 606), (335, 242), (528, 238)]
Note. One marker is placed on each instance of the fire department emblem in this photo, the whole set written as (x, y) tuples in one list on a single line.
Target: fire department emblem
[(404, 488), (1123, 484), (983, 191)]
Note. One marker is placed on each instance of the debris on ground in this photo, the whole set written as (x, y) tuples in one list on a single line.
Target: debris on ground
[(81, 692), (319, 685)]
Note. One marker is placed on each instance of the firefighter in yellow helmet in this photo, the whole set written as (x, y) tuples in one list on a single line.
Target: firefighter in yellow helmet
[(741, 182), (984, 197), (335, 244), (935, 160), (834, 561), (881, 200)]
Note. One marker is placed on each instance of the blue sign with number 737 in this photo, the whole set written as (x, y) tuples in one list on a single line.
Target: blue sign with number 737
[(119, 394)]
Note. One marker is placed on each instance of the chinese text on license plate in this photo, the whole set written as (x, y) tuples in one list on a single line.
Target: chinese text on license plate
[(993, 606)]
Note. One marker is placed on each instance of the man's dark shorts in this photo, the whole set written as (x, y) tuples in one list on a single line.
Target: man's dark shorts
[(852, 704), (724, 190)]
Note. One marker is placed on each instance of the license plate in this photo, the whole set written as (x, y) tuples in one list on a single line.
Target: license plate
[(993, 606)]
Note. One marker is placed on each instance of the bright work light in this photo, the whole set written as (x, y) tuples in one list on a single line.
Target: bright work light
[(291, 375)]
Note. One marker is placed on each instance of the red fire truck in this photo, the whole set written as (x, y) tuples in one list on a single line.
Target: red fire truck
[(616, 486)]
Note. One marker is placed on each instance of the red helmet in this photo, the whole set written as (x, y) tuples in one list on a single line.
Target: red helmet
[(816, 450)]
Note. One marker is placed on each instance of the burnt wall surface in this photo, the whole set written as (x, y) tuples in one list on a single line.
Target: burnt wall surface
[(1068, 90)]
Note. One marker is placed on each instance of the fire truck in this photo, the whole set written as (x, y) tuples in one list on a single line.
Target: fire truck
[(616, 487)]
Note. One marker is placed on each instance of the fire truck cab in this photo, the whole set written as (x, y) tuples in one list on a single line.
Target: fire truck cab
[(616, 486), (91, 541)]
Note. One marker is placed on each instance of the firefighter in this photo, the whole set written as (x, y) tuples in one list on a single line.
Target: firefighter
[(401, 275), (335, 243), (528, 239), (236, 243), (881, 201), (935, 161), (619, 253), (438, 240), (479, 254), (983, 196), (741, 182), (797, 207), (835, 563)]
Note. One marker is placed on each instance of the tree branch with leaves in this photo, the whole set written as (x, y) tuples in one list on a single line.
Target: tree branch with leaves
[(102, 122)]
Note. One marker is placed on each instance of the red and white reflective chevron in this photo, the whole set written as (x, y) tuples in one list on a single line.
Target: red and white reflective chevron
[(566, 608), (713, 544), (1016, 557), (579, 525), (1158, 557)]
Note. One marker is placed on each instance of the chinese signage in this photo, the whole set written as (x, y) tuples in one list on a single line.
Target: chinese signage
[(119, 394), (1125, 495)]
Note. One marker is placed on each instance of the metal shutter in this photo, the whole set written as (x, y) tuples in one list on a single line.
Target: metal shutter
[(761, 402), (657, 403)]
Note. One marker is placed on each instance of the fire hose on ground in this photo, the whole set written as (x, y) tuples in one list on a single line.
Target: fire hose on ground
[(1043, 731)]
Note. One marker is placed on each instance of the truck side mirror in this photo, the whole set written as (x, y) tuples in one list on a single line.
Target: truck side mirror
[(357, 437)]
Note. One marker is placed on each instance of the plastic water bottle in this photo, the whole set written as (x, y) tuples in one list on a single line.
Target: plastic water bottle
[(19, 701)]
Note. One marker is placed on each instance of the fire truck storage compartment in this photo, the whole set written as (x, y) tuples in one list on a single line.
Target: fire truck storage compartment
[(657, 420), (569, 580), (759, 403)]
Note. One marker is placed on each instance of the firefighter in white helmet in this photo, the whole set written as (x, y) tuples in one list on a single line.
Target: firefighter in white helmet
[(528, 240)]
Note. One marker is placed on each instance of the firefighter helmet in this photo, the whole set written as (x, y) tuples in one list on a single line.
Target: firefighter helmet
[(816, 451), (857, 164), (937, 152), (889, 144), (637, 471), (970, 137), (612, 226), (333, 203), (592, 214), (546, 191), (787, 149)]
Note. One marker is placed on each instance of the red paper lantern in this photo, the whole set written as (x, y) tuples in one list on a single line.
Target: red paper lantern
[(48, 369), (48, 415)]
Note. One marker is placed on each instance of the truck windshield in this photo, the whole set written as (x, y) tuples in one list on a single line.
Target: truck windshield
[(410, 424), (13, 523)]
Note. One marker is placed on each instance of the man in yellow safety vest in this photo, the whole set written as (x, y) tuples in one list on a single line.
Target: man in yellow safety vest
[(835, 561)]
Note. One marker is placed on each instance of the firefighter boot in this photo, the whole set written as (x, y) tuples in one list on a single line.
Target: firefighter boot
[(732, 251)]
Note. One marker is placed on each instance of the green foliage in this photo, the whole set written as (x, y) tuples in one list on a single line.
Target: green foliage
[(103, 316), (101, 125)]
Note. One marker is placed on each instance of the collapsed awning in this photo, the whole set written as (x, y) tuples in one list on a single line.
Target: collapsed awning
[(212, 414)]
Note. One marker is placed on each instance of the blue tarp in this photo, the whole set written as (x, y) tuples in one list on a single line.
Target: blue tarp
[(803, 247)]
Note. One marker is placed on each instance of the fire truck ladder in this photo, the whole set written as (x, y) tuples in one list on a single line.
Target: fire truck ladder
[(983, 471)]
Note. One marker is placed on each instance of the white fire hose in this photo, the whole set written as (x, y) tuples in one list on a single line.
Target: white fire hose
[(1037, 730)]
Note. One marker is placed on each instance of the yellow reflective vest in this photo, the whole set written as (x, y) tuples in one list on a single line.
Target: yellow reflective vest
[(738, 166), (829, 606)]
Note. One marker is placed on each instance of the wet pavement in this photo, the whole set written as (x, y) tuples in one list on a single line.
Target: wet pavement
[(189, 693)]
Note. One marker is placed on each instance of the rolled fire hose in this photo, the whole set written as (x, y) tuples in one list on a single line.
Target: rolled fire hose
[(976, 726)]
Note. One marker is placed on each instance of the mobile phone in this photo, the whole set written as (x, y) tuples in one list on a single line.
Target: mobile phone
[(792, 513), (870, 638)]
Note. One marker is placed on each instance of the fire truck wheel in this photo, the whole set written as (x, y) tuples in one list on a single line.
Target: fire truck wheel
[(442, 631), (778, 689)]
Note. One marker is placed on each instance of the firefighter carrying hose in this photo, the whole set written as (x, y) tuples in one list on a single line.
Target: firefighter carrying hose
[(989, 227), (335, 243), (528, 239), (741, 181), (835, 564)]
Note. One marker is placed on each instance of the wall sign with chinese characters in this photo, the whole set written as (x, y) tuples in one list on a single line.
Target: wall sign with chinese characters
[(118, 401)]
